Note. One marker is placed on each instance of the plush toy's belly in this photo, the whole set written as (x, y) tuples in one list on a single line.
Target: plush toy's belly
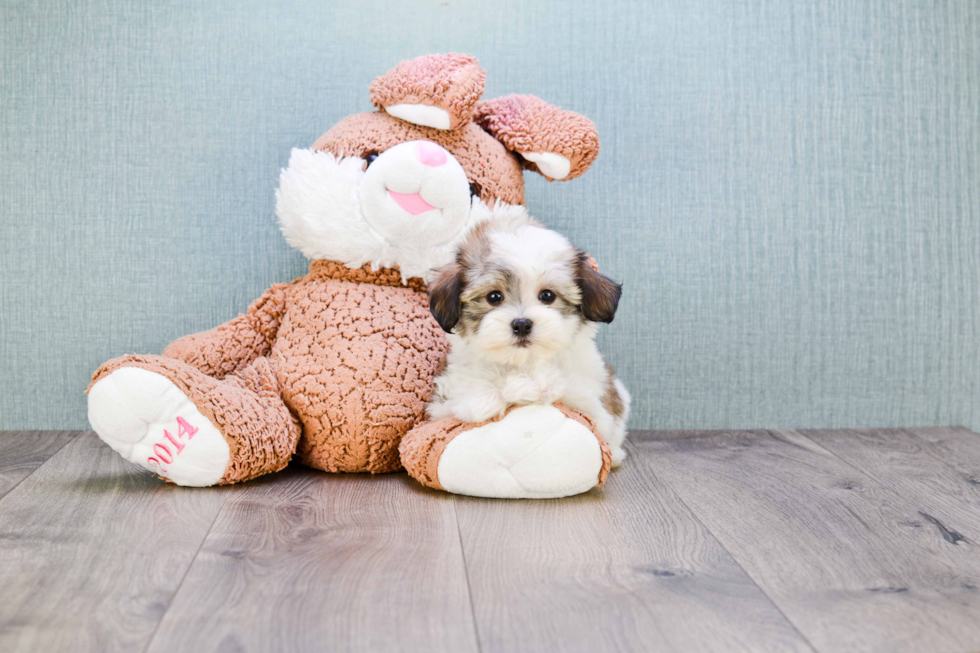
[(356, 363)]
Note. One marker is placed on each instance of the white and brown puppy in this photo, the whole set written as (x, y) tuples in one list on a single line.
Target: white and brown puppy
[(521, 305)]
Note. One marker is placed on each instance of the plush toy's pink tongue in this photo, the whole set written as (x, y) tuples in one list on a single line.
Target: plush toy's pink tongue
[(412, 203)]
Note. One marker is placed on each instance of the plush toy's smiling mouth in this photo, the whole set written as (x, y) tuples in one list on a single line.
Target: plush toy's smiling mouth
[(413, 202)]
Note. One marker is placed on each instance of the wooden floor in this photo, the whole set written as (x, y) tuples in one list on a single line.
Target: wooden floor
[(703, 541)]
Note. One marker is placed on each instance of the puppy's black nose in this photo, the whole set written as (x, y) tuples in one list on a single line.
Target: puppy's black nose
[(522, 327)]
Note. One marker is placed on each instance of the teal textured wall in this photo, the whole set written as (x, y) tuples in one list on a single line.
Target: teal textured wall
[(790, 190)]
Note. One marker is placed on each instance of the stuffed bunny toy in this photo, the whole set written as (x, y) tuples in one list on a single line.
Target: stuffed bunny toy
[(337, 366)]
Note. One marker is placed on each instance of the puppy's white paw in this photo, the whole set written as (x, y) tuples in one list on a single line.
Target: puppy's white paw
[(145, 418), (618, 456), (477, 406), (521, 389), (535, 452)]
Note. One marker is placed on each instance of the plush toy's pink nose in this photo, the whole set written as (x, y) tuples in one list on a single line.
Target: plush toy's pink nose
[(430, 154)]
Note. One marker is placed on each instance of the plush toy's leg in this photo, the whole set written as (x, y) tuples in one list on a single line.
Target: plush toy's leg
[(533, 452), (190, 428)]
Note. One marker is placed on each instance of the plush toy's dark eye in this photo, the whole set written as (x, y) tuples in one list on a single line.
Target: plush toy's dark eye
[(475, 189), (369, 159), (546, 296), (495, 298)]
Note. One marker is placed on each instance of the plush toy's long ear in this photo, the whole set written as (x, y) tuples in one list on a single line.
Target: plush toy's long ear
[(558, 144), (437, 90), (600, 294), (444, 296)]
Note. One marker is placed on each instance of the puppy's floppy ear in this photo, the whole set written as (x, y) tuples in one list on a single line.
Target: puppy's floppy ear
[(600, 294), (444, 296)]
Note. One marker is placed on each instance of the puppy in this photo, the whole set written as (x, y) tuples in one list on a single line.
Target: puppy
[(520, 305)]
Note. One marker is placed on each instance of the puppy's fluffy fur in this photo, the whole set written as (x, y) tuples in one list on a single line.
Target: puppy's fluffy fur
[(521, 305)]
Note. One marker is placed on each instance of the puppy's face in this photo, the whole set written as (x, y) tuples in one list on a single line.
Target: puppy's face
[(518, 290)]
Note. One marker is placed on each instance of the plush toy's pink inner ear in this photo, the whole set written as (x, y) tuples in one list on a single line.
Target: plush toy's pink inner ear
[(437, 90), (558, 144)]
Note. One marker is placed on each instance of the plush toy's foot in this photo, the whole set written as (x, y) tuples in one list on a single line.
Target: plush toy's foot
[(533, 452), (189, 428), (147, 420)]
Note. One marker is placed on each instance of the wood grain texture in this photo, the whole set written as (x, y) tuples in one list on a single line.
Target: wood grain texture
[(903, 460), (311, 561), (21, 452), (93, 549), (624, 568), (729, 541), (854, 565), (958, 447)]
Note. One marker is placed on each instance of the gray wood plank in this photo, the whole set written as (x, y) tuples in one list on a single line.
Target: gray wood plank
[(326, 562), (93, 549), (905, 463), (21, 452), (853, 564), (957, 446), (623, 568)]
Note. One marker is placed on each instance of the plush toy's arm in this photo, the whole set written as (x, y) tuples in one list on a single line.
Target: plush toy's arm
[(233, 345)]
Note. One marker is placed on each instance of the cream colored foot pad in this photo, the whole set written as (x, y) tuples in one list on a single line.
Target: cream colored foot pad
[(147, 419), (535, 452)]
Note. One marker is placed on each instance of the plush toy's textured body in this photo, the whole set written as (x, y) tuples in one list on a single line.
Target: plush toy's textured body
[(381, 351), (337, 366)]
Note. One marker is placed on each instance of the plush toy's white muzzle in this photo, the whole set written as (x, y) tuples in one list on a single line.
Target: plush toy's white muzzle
[(416, 194)]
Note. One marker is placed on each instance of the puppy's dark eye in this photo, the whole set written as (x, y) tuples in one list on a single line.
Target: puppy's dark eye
[(369, 159), (475, 190), (495, 298), (546, 296)]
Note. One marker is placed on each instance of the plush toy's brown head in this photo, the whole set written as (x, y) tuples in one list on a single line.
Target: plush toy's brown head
[(429, 164)]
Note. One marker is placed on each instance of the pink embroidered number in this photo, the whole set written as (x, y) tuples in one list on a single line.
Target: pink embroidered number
[(162, 453)]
